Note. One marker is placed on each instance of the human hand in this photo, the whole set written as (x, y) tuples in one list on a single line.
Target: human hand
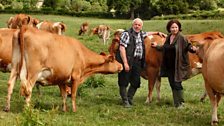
[(162, 34), (126, 67)]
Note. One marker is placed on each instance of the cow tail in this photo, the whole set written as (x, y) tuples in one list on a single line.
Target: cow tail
[(21, 44), (24, 90)]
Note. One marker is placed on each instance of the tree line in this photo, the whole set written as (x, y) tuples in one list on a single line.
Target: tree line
[(128, 8)]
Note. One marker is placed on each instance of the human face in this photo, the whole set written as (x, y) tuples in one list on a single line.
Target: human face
[(174, 29), (137, 26)]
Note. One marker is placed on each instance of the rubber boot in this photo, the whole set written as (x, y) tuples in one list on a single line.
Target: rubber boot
[(180, 98), (131, 93), (123, 94), (175, 98)]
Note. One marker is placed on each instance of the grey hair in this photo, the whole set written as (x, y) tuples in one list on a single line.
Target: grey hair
[(137, 19)]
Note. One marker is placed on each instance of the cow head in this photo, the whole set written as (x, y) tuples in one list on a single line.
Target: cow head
[(35, 22), (113, 48), (203, 41), (59, 27), (110, 65), (22, 19)]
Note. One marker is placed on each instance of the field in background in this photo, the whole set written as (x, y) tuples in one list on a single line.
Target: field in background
[(101, 106)]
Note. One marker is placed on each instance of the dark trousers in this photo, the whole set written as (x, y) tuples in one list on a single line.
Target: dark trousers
[(173, 84), (133, 76)]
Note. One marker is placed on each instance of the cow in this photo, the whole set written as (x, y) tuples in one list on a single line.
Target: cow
[(212, 53), (53, 27), (9, 22), (103, 32), (65, 61), (154, 60), (83, 28), (115, 41), (21, 19), (6, 48)]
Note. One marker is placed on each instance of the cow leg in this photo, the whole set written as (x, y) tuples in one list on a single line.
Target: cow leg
[(158, 85), (11, 83), (202, 99), (64, 96), (73, 96), (152, 78), (213, 99), (104, 37)]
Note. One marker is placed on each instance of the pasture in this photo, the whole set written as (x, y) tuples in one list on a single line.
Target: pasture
[(101, 106)]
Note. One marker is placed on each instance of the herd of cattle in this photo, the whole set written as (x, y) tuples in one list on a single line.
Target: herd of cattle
[(29, 49)]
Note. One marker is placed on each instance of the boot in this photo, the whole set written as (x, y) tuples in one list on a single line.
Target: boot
[(175, 98), (123, 94), (180, 98), (131, 93)]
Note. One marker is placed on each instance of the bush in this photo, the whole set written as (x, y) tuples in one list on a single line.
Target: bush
[(17, 5), (91, 82), (2, 7)]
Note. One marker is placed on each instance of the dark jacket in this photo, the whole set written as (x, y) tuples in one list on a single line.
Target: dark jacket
[(182, 64), (131, 48)]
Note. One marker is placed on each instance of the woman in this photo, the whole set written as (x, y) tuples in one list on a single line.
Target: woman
[(175, 63)]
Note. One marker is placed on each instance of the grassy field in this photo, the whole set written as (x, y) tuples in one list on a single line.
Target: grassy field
[(101, 106)]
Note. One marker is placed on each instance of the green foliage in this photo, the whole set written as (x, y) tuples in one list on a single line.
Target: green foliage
[(17, 5), (216, 14), (50, 3), (31, 117), (80, 5), (208, 5), (172, 7), (2, 7), (95, 81), (91, 82), (6, 2)]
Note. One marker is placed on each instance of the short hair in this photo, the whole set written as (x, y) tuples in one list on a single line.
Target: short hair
[(172, 22), (137, 19)]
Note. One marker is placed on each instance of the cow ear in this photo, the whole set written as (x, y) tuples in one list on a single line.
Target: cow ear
[(63, 26), (110, 58), (103, 53)]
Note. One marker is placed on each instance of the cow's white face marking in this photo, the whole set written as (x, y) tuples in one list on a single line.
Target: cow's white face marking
[(38, 25), (58, 26), (150, 37)]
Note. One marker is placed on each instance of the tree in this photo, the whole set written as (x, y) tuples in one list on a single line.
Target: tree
[(125, 6), (80, 5), (6, 2), (50, 3), (171, 7)]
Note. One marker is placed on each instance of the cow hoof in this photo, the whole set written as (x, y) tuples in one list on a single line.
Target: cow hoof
[(214, 123), (6, 109)]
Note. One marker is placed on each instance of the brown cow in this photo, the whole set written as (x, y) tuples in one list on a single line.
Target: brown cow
[(6, 48), (64, 62), (154, 60), (212, 53), (84, 28), (21, 19), (115, 41), (103, 32), (53, 27)]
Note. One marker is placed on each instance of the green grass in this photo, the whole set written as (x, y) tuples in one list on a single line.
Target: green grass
[(101, 106)]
